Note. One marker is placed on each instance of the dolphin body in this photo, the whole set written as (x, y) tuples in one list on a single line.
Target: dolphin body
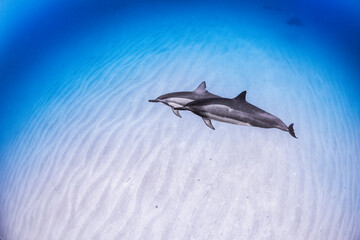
[(177, 100), (236, 111)]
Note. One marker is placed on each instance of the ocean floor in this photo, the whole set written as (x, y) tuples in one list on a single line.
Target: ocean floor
[(93, 159)]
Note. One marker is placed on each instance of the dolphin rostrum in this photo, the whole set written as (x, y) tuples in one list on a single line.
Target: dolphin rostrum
[(236, 111), (177, 100)]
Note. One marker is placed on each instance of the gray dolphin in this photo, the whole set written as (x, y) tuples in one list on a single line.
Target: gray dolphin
[(177, 100), (236, 111)]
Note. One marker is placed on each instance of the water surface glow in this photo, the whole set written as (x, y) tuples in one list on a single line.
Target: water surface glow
[(84, 155)]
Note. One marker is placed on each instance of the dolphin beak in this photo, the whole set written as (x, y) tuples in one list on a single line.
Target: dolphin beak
[(154, 100)]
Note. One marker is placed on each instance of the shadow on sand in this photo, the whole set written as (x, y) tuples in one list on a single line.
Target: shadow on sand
[(294, 22)]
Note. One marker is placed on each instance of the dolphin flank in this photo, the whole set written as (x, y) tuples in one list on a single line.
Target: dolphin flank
[(236, 111), (177, 100)]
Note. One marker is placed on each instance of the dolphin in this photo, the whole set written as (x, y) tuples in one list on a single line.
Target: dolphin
[(177, 100), (236, 111)]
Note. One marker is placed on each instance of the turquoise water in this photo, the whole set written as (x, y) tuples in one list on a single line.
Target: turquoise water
[(84, 155)]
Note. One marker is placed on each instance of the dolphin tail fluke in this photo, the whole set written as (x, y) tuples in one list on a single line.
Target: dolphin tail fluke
[(208, 123), (291, 130), (176, 112)]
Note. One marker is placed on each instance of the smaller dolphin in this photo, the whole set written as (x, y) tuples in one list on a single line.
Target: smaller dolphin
[(177, 100), (236, 111)]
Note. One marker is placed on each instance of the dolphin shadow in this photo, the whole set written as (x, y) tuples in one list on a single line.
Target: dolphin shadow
[(267, 7), (294, 22)]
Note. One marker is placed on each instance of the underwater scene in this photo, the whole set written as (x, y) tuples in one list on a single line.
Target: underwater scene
[(179, 119)]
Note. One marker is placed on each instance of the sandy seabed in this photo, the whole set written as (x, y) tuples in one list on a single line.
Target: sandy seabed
[(96, 160)]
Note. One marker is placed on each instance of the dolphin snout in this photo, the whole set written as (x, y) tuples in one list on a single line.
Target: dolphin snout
[(155, 100)]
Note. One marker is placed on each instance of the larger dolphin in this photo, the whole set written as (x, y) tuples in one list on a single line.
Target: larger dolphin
[(177, 100), (236, 111)]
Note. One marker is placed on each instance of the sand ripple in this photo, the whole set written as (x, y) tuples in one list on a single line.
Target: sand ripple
[(97, 161)]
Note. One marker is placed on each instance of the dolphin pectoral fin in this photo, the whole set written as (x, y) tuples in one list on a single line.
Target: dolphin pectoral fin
[(176, 112), (208, 123)]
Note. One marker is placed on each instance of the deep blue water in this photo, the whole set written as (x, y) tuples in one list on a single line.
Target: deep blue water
[(73, 70), (31, 33)]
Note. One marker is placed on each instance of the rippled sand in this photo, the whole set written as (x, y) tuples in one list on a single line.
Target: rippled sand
[(96, 160)]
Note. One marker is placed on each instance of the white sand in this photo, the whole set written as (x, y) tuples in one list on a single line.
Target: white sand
[(97, 161)]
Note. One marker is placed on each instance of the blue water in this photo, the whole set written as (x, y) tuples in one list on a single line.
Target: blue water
[(83, 154), (33, 33)]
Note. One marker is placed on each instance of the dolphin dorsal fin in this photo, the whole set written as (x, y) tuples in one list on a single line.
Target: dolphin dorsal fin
[(241, 96), (201, 87)]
